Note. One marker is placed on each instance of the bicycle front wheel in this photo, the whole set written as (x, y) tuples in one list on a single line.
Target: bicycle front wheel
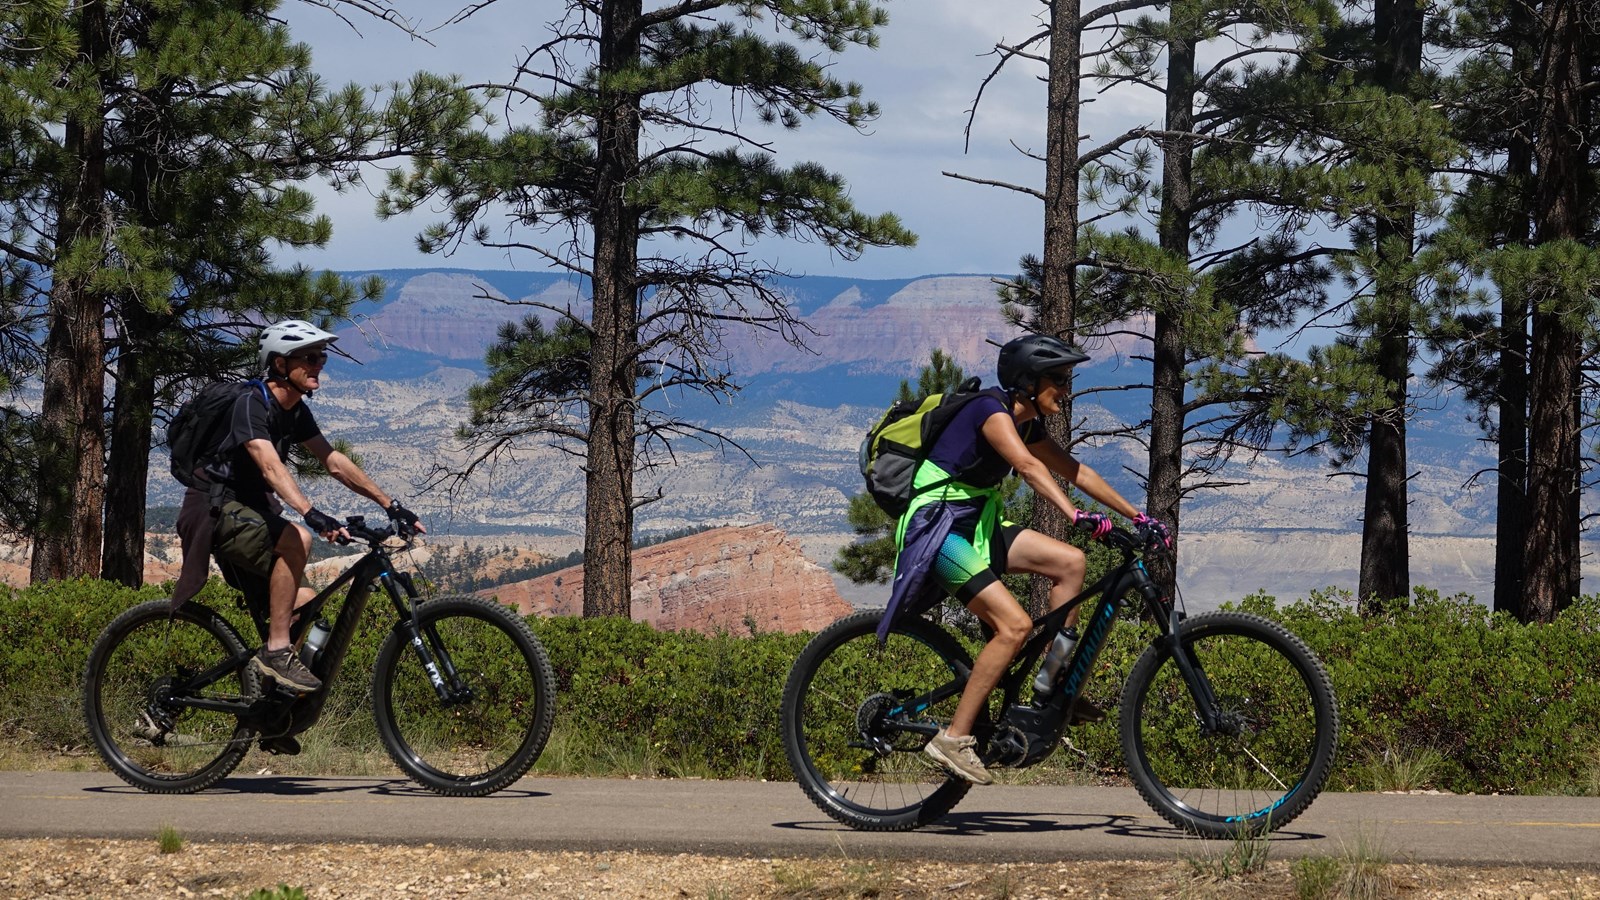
[(854, 726), (494, 718), (1273, 744), (144, 667)]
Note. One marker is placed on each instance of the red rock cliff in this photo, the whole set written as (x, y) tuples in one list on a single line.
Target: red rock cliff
[(724, 579)]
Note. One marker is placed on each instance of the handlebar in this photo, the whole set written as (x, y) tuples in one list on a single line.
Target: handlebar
[(374, 535), (1131, 543)]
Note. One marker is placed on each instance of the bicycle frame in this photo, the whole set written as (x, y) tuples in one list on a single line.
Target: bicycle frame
[(1025, 733), (281, 713)]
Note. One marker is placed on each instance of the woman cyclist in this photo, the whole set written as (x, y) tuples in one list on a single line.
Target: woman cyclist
[(952, 537)]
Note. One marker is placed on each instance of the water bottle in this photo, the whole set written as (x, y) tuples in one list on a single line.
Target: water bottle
[(316, 637), (1060, 651)]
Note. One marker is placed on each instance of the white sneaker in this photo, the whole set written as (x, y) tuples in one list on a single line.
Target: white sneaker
[(957, 755)]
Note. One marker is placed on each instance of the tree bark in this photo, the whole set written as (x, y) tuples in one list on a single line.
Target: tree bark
[(1511, 488), (608, 526), (1058, 278), (1165, 484), (72, 440), (1554, 476), (132, 418), (1385, 553)]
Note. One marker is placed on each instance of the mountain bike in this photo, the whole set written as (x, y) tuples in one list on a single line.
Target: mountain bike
[(462, 692), (1228, 722)]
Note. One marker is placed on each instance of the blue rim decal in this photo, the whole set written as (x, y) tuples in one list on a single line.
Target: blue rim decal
[(1265, 809)]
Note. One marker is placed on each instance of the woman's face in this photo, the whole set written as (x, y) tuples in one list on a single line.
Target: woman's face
[(1053, 389)]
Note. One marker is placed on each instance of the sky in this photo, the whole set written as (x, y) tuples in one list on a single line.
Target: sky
[(925, 74)]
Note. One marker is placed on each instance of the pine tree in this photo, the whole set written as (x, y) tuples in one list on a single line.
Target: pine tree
[(196, 120), (618, 184)]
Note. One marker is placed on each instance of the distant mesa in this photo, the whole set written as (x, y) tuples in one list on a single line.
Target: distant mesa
[(727, 579)]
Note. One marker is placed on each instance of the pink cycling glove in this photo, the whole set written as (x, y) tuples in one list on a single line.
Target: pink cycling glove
[(1097, 524)]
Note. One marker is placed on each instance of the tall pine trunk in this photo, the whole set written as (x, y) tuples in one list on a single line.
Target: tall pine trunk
[(608, 525), (1385, 552), (1168, 351), (1058, 278), (133, 413), (1554, 476), (1511, 488), (72, 439)]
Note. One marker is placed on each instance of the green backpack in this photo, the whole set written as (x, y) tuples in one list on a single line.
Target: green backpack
[(894, 449)]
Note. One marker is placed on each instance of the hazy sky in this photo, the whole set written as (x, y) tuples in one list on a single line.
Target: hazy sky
[(933, 57)]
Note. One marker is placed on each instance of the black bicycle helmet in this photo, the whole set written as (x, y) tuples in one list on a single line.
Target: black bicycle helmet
[(1024, 359)]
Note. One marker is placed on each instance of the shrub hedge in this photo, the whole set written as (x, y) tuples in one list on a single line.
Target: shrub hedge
[(1506, 707)]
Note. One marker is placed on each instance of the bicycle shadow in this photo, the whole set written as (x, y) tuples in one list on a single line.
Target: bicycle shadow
[(977, 824), (973, 824), (315, 786)]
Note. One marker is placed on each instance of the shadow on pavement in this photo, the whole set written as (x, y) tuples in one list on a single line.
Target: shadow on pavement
[(311, 786)]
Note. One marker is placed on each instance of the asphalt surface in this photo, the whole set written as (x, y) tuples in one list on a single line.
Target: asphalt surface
[(733, 818)]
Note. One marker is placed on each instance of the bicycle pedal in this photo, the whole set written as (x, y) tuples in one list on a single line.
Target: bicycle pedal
[(283, 745)]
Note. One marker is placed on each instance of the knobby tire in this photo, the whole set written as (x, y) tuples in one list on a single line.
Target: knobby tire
[(842, 684), (485, 743), (159, 746), (1281, 728)]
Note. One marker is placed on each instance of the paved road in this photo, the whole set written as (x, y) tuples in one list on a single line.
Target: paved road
[(774, 819)]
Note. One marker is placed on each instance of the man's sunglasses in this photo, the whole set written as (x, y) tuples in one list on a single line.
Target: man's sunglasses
[(315, 358), (1061, 381)]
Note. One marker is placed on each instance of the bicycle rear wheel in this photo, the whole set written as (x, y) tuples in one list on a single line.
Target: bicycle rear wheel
[(143, 659), (854, 743), (1279, 726), (492, 729)]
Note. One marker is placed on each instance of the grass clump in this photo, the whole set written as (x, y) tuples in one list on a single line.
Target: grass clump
[(168, 840)]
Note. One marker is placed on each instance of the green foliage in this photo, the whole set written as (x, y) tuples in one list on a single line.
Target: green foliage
[(1487, 703), (709, 703), (1315, 877)]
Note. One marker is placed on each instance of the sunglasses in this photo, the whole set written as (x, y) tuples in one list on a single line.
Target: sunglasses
[(315, 358), (1061, 381)]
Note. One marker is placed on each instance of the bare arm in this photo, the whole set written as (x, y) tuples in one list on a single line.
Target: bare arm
[(277, 475), (1083, 476), (1000, 430)]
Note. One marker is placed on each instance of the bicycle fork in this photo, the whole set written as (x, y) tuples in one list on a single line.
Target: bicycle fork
[(431, 652)]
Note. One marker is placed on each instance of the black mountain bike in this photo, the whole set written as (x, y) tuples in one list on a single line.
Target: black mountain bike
[(462, 692), (1228, 721)]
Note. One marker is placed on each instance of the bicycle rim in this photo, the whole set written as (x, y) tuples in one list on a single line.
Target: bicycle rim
[(148, 740), (848, 723), (487, 741), (1268, 762)]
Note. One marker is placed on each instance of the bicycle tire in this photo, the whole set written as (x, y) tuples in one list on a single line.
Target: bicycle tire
[(164, 748), (480, 746), (842, 679), (1279, 705)]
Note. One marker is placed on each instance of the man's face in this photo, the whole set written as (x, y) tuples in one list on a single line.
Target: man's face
[(304, 369)]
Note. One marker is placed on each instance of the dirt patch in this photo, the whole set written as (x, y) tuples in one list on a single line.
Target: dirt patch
[(95, 868)]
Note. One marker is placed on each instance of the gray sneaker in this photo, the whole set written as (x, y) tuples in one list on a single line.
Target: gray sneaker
[(957, 755), (285, 666)]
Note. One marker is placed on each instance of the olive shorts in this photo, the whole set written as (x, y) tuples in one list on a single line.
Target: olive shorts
[(246, 537)]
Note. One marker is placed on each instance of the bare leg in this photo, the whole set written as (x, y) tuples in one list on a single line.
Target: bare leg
[(1060, 562), (1001, 612), (293, 549)]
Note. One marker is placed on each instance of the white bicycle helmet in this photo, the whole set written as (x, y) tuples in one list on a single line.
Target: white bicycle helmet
[(290, 336)]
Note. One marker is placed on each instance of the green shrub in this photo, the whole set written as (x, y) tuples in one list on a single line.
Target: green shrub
[(1487, 703)]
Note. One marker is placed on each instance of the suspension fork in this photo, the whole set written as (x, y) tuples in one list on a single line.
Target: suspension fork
[(1205, 699), (431, 652)]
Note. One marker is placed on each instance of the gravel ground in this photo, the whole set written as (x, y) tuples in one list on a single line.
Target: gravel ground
[(94, 868)]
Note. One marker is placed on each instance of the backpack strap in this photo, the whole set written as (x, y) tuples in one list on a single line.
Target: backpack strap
[(218, 491)]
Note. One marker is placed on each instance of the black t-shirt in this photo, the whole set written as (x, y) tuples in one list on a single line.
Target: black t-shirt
[(254, 416), (961, 449)]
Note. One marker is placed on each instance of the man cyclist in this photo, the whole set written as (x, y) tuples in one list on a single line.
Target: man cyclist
[(250, 536), (952, 536)]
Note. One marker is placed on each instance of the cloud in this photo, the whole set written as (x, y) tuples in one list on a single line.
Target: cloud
[(926, 73)]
